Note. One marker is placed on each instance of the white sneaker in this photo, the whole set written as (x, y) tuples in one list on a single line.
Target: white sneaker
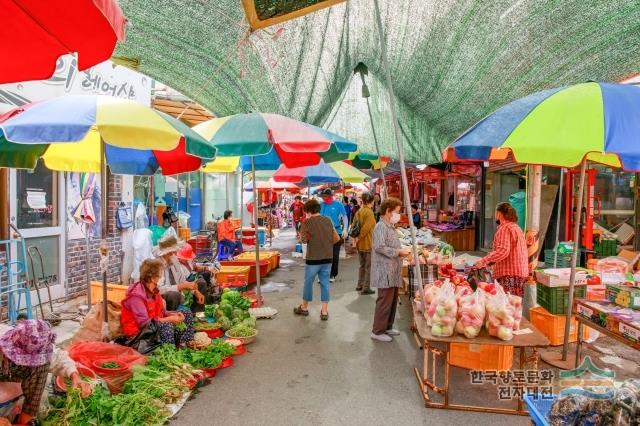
[(332, 279), (393, 332), (381, 337)]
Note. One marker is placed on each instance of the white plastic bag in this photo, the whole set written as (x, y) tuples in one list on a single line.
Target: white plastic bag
[(443, 310), (471, 313), (500, 315), (516, 305)]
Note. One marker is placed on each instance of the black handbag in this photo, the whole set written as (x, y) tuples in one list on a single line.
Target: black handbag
[(147, 339), (169, 217), (479, 275), (354, 230), (124, 218)]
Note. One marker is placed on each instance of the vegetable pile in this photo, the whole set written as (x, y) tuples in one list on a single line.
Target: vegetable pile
[(164, 380), (232, 315)]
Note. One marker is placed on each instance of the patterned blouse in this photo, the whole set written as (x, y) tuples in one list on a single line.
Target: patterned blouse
[(386, 265)]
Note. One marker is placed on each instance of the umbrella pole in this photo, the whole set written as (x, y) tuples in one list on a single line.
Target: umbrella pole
[(559, 213), (104, 252), (403, 172), (226, 188), (241, 201), (375, 140), (86, 262), (574, 258), (255, 223)]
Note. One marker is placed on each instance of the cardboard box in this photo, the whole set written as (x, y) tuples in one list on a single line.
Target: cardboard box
[(559, 277), (625, 296)]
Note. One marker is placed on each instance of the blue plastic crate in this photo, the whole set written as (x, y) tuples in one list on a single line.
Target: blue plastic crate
[(539, 408)]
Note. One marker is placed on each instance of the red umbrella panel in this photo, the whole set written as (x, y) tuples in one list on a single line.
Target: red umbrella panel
[(35, 34)]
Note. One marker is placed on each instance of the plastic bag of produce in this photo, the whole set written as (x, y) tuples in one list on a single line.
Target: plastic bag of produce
[(516, 304), (443, 310), (471, 313), (500, 315), (430, 291)]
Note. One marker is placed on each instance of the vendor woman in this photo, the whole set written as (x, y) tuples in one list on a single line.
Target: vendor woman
[(143, 304), (27, 355), (509, 255)]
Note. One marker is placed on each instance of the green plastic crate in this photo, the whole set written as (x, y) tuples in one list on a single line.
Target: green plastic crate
[(564, 260), (606, 247), (555, 299)]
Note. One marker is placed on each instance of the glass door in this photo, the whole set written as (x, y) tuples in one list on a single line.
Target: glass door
[(36, 209)]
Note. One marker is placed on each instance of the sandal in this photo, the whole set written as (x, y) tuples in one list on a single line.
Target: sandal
[(324, 316), (299, 311)]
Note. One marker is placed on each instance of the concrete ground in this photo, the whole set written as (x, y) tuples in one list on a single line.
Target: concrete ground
[(304, 371)]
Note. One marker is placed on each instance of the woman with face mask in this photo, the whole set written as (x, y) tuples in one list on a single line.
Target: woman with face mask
[(386, 269), (144, 304), (509, 257)]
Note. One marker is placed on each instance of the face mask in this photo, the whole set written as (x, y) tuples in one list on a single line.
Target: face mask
[(328, 200), (395, 217)]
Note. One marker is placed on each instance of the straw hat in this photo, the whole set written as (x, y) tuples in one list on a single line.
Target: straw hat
[(168, 244)]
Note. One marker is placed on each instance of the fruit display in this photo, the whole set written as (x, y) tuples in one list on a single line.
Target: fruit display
[(443, 311), (625, 296), (500, 315), (471, 313)]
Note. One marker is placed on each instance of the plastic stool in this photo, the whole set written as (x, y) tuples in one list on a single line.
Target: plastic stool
[(224, 252)]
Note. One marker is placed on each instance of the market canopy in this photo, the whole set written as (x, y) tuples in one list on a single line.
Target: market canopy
[(452, 62)]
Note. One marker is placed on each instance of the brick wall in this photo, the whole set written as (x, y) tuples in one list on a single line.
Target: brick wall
[(76, 249)]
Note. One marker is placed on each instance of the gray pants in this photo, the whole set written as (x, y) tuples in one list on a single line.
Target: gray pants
[(364, 273), (385, 313)]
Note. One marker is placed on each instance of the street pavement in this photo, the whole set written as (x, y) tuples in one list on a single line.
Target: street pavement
[(305, 371)]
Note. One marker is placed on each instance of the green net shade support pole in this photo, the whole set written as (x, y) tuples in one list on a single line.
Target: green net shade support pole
[(574, 258), (375, 140), (255, 223), (396, 128)]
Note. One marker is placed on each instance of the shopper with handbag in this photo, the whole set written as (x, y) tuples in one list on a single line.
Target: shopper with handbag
[(362, 232)]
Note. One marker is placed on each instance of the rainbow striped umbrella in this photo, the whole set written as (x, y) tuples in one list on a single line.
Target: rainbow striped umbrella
[(561, 127), (271, 140), (565, 127), (67, 133), (322, 173)]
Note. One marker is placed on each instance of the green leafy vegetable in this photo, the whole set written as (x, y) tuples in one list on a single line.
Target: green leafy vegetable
[(110, 364), (210, 310), (188, 298), (241, 330), (181, 327)]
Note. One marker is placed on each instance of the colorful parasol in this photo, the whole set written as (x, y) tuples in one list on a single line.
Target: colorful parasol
[(67, 132), (322, 173), (365, 161), (563, 127), (84, 210), (35, 34), (560, 127), (279, 139), (269, 185)]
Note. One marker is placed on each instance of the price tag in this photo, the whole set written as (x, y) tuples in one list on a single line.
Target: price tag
[(584, 311), (629, 332)]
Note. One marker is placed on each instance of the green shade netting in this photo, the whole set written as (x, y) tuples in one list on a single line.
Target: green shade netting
[(452, 62)]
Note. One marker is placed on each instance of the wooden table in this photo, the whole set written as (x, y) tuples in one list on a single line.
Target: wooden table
[(582, 321), (435, 347)]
